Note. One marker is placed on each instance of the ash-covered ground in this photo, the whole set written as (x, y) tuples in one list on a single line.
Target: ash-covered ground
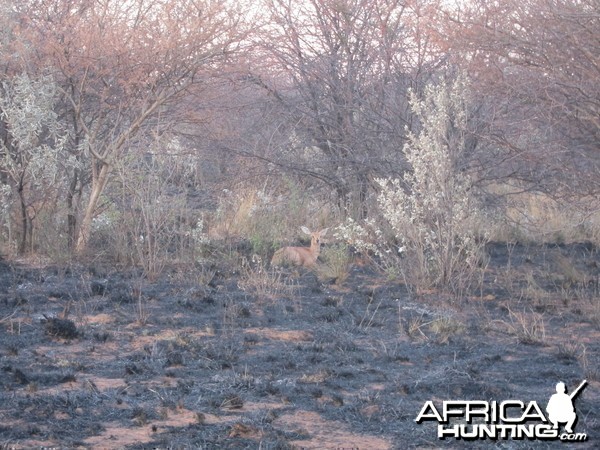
[(96, 357)]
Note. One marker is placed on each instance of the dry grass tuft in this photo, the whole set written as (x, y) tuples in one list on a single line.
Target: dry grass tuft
[(528, 327), (336, 264), (266, 283)]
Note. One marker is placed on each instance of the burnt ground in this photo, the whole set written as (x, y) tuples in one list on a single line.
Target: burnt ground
[(96, 357)]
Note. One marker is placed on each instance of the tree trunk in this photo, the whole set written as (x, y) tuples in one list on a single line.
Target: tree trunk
[(72, 210), (24, 221), (352, 195), (98, 185)]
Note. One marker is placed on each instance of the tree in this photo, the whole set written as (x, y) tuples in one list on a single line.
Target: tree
[(342, 71), (538, 63), (32, 147), (122, 68)]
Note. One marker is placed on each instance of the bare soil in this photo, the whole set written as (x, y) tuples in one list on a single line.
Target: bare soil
[(96, 357)]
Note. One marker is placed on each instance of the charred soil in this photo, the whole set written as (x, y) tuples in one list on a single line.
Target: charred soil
[(96, 357)]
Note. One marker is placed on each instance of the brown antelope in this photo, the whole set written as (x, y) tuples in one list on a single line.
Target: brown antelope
[(301, 256)]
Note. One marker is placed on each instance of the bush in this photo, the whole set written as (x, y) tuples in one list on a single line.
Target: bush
[(147, 221), (431, 211), (336, 263)]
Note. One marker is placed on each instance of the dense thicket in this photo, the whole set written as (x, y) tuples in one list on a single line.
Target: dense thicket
[(99, 100)]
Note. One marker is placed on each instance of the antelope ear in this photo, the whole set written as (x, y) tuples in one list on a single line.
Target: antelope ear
[(306, 230), (324, 231)]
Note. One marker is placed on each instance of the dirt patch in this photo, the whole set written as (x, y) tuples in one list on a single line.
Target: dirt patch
[(327, 433), (182, 365), (283, 335)]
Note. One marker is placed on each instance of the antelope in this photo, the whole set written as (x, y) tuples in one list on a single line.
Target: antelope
[(301, 256)]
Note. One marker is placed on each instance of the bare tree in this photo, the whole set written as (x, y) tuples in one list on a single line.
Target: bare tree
[(538, 64), (342, 71)]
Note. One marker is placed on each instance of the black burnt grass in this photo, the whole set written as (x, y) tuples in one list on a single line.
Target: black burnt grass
[(95, 357)]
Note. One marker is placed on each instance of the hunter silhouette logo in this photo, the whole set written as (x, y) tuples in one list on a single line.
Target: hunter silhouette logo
[(509, 419), (560, 406)]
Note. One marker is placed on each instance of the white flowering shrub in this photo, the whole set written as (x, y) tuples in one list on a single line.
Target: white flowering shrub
[(373, 238), (431, 210), (360, 237), (200, 237), (5, 203), (33, 155)]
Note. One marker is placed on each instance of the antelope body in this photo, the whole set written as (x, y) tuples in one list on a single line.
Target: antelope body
[(301, 256)]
